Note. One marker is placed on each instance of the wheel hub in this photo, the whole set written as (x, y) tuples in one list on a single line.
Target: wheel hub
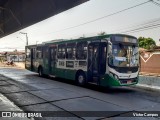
[(80, 78)]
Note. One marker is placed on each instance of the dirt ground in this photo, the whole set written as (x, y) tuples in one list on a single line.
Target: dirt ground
[(16, 64)]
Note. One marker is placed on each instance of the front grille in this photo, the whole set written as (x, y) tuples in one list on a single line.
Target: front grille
[(126, 69), (128, 81)]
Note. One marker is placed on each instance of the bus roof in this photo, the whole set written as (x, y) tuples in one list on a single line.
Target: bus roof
[(61, 41)]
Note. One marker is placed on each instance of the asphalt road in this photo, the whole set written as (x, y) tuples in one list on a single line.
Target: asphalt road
[(32, 93)]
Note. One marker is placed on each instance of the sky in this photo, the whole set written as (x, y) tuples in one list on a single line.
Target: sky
[(60, 25)]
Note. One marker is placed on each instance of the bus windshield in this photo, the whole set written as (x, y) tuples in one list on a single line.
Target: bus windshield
[(124, 55)]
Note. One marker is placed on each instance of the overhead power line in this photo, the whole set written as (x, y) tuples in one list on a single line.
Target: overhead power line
[(147, 27), (109, 15), (100, 18), (150, 22), (156, 3), (12, 48)]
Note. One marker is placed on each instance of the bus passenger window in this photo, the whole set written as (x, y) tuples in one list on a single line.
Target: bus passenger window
[(45, 52), (52, 54), (39, 52), (70, 51), (34, 53), (61, 51), (81, 52)]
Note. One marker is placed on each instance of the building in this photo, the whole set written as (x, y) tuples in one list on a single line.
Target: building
[(2, 57), (16, 56), (149, 60)]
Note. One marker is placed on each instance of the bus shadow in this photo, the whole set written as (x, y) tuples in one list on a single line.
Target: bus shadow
[(108, 90)]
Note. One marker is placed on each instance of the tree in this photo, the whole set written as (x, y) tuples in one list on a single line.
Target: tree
[(102, 33), (147, 43), (82, 37)]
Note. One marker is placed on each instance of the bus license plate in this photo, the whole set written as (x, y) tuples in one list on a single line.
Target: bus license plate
[(129, 82)]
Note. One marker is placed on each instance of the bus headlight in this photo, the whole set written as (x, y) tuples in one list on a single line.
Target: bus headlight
[(111, 74), (116, 77)]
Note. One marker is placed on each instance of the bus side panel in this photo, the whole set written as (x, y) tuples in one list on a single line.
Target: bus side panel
[(60, 73), (37, 63), (28, 64), (30, 67), (70, 74), (106, 81), (34, 65), (65, 73)]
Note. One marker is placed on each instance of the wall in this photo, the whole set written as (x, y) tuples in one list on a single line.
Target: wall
[(150, 62)]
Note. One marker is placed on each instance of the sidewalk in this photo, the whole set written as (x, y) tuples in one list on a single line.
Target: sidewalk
[(7, 106), (147, 87), (149, 74), (149, 82)]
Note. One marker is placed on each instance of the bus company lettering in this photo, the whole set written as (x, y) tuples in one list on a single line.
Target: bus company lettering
[(69, 64), (61, 63)]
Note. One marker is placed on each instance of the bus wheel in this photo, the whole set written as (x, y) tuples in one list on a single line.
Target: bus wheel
[(81, 78), (40, 72)]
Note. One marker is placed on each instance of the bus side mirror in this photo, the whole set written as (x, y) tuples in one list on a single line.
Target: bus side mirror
[(109, 54)]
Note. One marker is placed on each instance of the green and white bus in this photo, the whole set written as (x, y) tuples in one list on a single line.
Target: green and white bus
[(108, 60)]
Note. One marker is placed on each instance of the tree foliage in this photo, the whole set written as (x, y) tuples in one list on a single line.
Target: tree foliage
[(147, 43), (82, 36), (102, 33)]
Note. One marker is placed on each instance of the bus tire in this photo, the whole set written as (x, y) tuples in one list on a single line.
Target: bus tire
[(40, 72), (81, 78)]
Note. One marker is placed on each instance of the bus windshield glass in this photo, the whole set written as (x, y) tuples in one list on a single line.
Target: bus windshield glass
[(124, 55)]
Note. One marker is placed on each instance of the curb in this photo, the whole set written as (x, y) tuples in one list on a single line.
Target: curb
[(5, 102), (147, 87)]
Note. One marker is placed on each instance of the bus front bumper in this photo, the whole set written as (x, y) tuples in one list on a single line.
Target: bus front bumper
[(108, 80)]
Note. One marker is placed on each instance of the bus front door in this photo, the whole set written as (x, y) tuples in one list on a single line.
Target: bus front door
[(96, 61), (52, 60)]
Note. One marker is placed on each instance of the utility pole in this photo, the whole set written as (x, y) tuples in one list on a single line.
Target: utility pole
[(26, 37)]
